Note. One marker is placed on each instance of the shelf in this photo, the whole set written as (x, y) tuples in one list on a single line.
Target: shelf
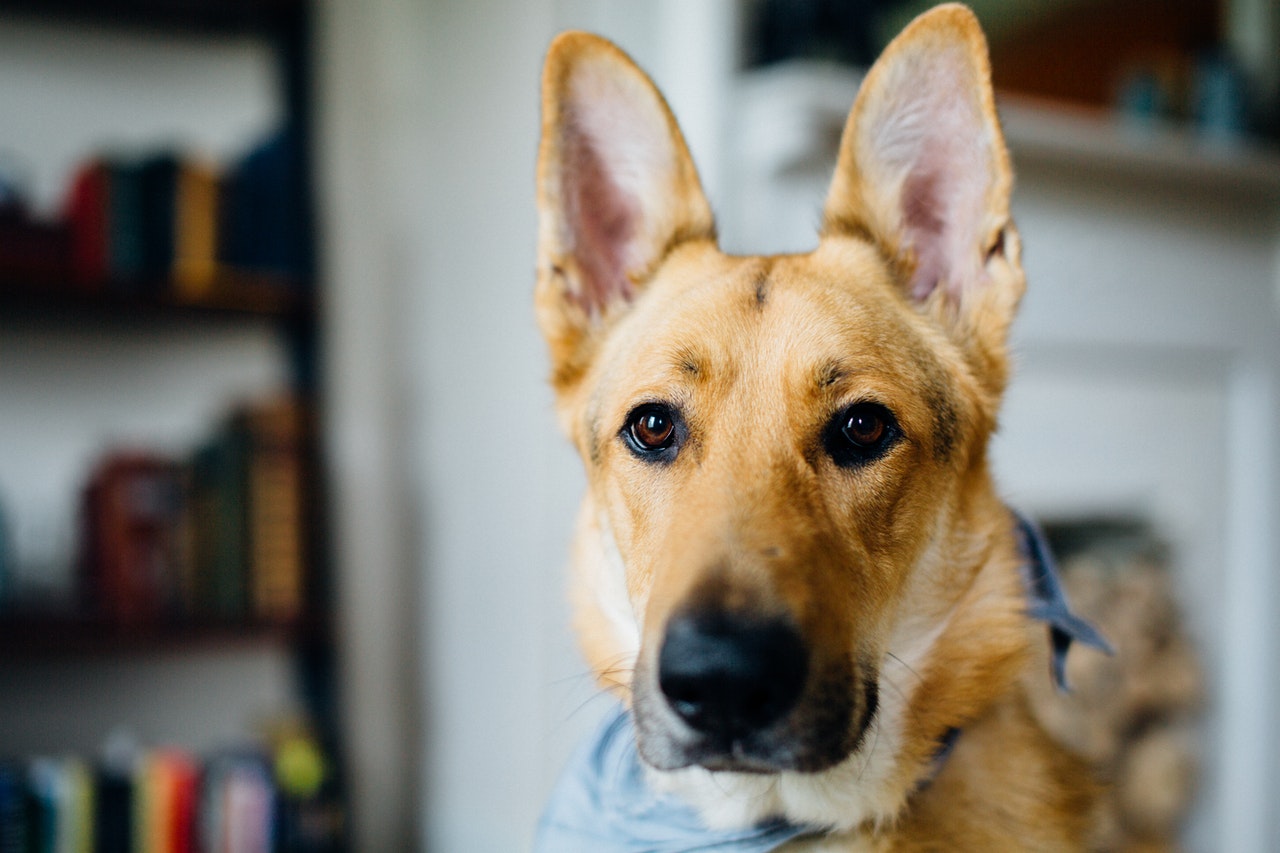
[(232, 295), (1074, 141), (30, 637), (251, 16), (793, 115)]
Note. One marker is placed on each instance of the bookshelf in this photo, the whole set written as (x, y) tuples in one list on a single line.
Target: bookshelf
[(277, 314)]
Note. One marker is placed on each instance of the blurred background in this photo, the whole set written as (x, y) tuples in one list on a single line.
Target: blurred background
[(283, 508)]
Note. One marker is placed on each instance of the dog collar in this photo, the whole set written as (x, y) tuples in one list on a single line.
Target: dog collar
[(603, 804)]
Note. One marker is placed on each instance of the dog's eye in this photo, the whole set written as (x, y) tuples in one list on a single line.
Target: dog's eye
[(860, 434), (651, 429), (864, 426)]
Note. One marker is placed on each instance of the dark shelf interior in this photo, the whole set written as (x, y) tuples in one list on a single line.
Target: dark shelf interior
[(34, 637), (196, 16), (231, 295)]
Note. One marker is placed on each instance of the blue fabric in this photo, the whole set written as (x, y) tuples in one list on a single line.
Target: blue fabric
[(1047, 603), (601, 804)]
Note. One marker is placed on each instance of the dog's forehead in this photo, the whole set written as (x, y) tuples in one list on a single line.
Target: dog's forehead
[(798, 320)]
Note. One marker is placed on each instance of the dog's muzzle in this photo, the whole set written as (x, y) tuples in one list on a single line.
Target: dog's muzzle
[(742, 691), (729, 677)]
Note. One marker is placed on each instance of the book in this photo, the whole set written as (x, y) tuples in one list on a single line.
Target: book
[(60, 818), (132, 560), (274, 501), (13, 808), (262, 218), (195, 252), (86, 211), (157, 218), (165, 784), (183, 781), (237, 805), (114, 815), (42, 806), (76, 820), (218, 528), (124, 226)]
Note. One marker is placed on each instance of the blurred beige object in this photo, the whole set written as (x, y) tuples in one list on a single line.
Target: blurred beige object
[(1156, 780), (1132, 715)]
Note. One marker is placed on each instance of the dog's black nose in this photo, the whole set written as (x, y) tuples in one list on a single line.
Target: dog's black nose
[(728, 675)]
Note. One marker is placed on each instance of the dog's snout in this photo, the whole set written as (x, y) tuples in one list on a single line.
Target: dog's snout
[(728, 675)]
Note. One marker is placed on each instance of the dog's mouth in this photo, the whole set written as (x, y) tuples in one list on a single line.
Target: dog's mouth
[(750, 700), (809, 745)]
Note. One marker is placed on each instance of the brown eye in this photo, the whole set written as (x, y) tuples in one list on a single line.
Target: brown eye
[(865, 426), (651, 429), (860, 434)]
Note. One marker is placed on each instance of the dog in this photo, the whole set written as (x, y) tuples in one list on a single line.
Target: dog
[(791, 563)]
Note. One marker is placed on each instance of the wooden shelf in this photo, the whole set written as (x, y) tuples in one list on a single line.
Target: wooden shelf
[(233, 294), (26, 637)]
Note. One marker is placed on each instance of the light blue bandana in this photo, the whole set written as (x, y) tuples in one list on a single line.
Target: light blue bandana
[(1047, 603), (602, 804)]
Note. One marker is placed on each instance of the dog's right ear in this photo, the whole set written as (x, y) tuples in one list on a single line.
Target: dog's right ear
[(617, 190)]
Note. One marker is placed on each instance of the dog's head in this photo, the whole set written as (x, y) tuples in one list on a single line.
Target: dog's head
[(783, 453)]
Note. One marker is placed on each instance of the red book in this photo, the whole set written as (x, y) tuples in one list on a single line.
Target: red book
[(133, 538), (183, 780), (87, 208)]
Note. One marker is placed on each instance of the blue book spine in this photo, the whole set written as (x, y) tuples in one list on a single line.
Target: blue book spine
[(13, 809)]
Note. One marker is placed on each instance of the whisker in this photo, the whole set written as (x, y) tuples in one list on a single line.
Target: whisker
[(872, 751), (906, 666)]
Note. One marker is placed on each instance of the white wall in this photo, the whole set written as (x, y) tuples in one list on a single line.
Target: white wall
[(453, 489)]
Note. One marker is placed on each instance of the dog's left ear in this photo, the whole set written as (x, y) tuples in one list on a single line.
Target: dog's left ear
[(923, 172), (617, 191)]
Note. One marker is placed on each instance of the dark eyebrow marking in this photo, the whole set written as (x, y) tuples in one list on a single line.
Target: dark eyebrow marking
[(593, 441), (946, 422), (830, 373), (592, 423), (688, 361)]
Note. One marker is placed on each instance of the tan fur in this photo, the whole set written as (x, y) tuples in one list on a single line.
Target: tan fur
[(904, 571)]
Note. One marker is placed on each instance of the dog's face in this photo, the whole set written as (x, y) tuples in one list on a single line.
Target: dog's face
[(777, 448)]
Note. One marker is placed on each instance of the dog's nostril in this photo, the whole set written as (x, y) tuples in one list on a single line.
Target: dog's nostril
[(729, 675)]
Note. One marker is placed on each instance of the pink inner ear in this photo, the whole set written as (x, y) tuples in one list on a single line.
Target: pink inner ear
[(602, 220), (924, 219), (927, 127)]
